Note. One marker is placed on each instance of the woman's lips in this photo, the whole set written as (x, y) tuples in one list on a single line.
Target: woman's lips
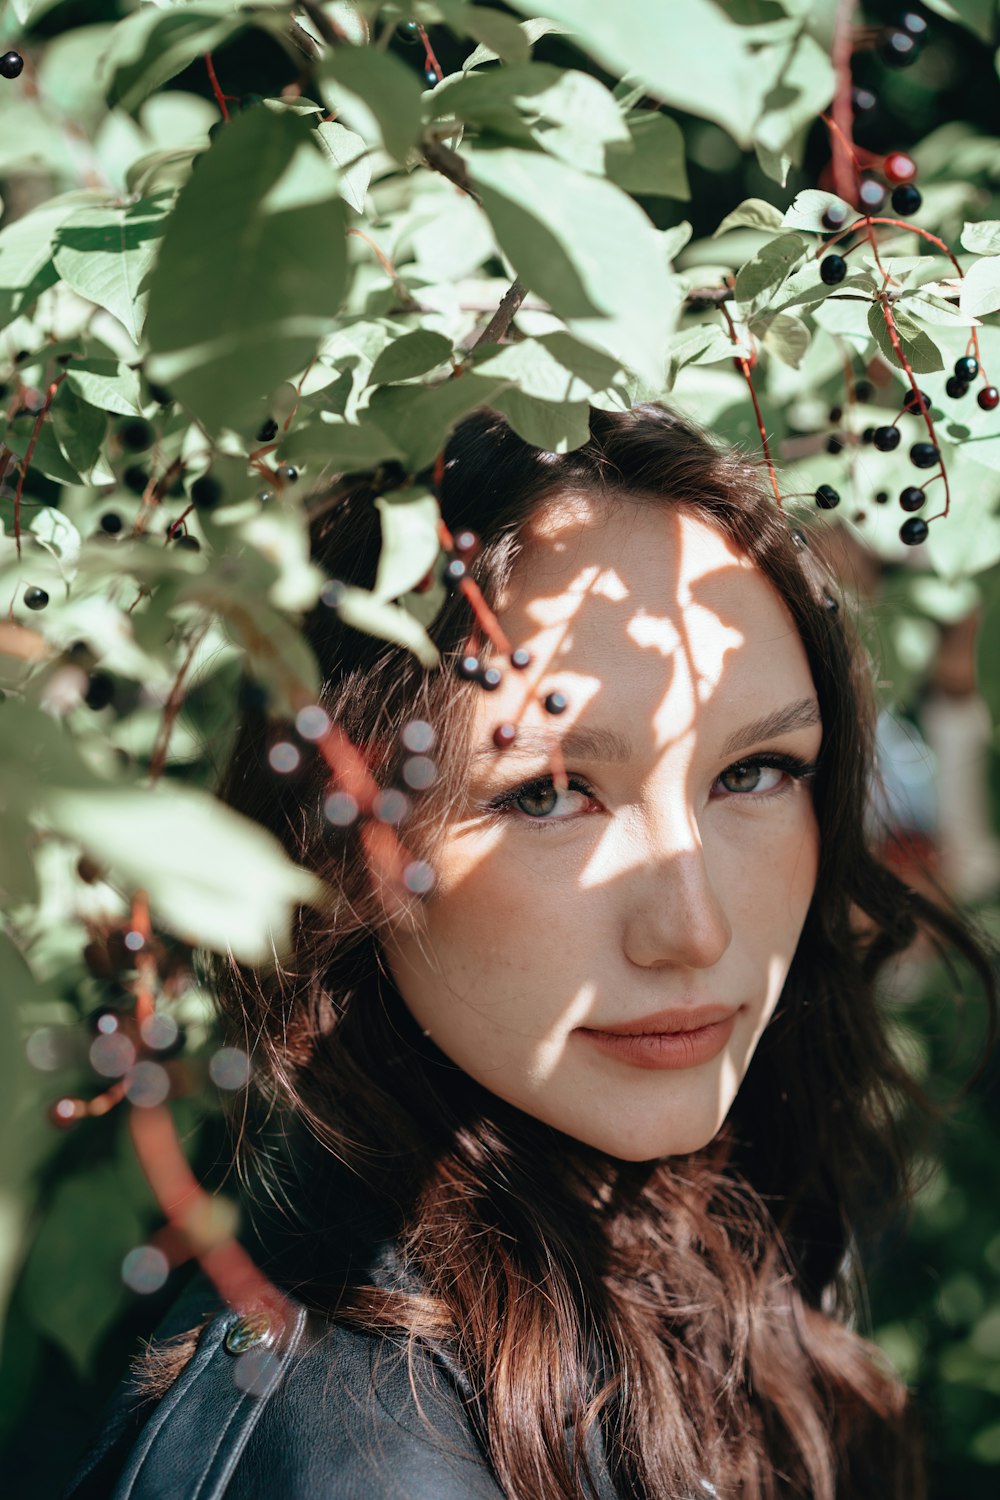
[(679, 1045)]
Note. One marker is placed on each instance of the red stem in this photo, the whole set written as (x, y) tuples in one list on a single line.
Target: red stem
[(27, 457), (744, 365), (928, 423), (844, 160), (220, 97)]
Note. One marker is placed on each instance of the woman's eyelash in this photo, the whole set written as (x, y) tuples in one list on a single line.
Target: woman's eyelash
[(794, 767)]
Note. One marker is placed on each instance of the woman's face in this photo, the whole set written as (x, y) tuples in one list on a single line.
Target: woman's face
[(666, 889)]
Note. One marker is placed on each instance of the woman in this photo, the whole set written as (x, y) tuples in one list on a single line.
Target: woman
[(573, 1149)]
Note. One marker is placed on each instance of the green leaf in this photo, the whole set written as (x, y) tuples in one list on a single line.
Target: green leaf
[(919, 348), (106, 383), (410, 541), (26, 267), (349, 152), (691, 56), (72, 1282), (533, 31), (554, 426), (564, 232), (105, 254), (236, 310), (752, 213), (982, 236), (801, 88), (329, 442), (808, 207), (773, 263), (152, 45), (499, 35), (387, 87), (413, 354), (419, 419), (787, 338), (79, 428), (981, 287), (978, 16), (654, 166), (534, 366), (388, 622)]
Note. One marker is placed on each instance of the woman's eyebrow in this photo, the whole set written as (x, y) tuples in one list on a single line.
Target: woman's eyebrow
[(611, 747)]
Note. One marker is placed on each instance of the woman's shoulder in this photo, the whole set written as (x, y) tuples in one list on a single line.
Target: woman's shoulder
[(331, 1413)]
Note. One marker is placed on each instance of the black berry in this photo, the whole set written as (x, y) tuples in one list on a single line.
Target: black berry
[(469, 668), (882, 497), (206, 492), (268, 431), (491, 678), (988, 397), (864, 101), (430, 77), (906, 199), (11, 65), (188, 543), (863, 391), (886, 438), (827, 497), (100, 690), (288, 472), (924, 455), (520, 658), (868, 436), (955, 387), (251, 101), (834, 444), (556, 703), (835, 413), (135, 479), (913, 25), (898, 49), (111, 523), (465, 543), (966, 368), (834, 216), (36, 598), (135, 434), (912, 498), (913, 531), (915, 402), (455, 570), (871, 194), (159, 393), (832, 269)]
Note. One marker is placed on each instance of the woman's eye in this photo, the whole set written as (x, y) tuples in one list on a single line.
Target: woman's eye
[(542, 801), (751, 776)]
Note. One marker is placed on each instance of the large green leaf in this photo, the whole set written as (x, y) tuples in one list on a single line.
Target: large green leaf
[(105, 253), (587, 248), (410, 540), (26, 267), (418, 419), (653, 163), (693, 56), (918, 346), (252, 268), (386, 88)]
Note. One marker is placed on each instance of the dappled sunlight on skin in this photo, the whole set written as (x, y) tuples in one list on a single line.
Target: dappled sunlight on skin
[(651, 885)]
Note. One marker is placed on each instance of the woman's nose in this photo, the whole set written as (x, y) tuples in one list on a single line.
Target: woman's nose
[(675, 915)]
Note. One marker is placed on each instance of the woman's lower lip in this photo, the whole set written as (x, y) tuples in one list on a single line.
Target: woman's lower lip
[(674, 1049)]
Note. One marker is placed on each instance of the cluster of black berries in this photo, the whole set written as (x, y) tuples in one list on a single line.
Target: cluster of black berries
[(901, 44), (963, 374), (898, 169)]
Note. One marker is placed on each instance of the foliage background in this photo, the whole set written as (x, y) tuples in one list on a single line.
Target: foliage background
[(73, 1204)]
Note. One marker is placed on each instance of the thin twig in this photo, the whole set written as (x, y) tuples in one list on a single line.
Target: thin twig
[(504, 315)]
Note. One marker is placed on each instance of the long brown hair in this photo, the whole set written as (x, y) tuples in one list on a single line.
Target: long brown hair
[(695, 1311)]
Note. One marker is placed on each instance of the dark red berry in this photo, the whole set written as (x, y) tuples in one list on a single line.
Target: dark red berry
[(504, 736), (912, 498), (111, 523), (206, 492), (882, 497), (520, 658), (827, 497), (913, 531), (956, 388), (906, 199), (924, 455), (100, 690), (898, 49), (832, 269), (556, 703), (988, 397), (65, 1112), (268, 431), (834, 444), (36, 598), (966, 368), (455, 570), (88, 870), (886, 438), (898, 167), (465, 543), (135, 434), (11, 65), (469, 668), (871, 194), (915, 402)]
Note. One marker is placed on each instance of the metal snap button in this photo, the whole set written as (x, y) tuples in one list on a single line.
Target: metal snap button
[(247, 1333)]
